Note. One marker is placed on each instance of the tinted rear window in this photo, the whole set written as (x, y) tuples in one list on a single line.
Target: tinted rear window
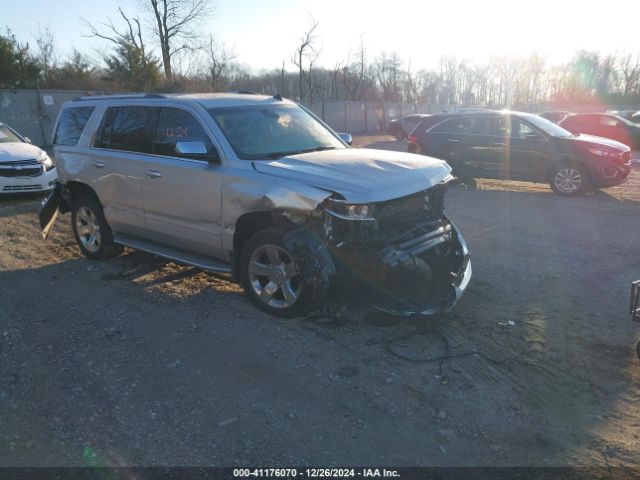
[(125, 128), (71, 124), (463, 125)]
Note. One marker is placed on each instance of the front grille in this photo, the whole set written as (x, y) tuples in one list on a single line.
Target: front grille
[(21, 168), (21, 188)]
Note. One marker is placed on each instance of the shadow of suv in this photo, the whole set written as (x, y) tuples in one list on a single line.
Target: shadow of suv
[(522, 146)]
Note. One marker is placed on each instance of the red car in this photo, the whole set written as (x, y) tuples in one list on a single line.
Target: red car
[(604, 125)]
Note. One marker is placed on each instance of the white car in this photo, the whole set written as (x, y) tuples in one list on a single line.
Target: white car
[(23, 167)]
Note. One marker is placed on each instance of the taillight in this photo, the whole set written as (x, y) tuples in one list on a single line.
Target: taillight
[(412, 139)]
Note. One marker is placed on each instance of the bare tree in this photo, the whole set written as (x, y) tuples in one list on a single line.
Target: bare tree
[(175, 25), (219, 58), (46, 54), (388, 72), (630, 70), (130, 63), (412, 85), (305, 56), (354, 73)]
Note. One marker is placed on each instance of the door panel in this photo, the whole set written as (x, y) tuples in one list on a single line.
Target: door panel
[(117, 179), (485, 156), (530, 153), (181, 201), (181, 194), (121, 142)]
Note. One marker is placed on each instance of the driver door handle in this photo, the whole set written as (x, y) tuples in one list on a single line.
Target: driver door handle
[(152, 173), (98, 164), (453, 140)]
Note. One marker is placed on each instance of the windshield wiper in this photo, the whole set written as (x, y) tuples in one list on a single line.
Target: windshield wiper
[(316, 149), (275, 155)]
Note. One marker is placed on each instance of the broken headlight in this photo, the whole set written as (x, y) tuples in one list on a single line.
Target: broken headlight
[(349, 211)]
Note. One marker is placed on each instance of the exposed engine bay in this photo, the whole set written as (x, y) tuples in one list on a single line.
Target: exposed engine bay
[(407, 252)]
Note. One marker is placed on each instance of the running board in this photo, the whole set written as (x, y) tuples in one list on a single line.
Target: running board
[(200, 261)]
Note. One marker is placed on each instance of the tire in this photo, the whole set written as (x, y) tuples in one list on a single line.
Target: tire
[(91, 229), (569, 179), (272, 277)]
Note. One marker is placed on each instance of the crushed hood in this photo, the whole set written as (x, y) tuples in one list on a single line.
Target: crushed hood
[(15, 151), (360, 175)]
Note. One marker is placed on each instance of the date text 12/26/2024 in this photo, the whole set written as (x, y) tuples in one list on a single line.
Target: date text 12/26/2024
[(314, 473)]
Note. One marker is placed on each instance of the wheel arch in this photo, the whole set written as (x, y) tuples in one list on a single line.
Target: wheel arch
[(74, 189), (248, 225), (570, 160)]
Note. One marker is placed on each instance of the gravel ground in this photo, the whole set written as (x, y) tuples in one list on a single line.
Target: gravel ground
[(141, 361)]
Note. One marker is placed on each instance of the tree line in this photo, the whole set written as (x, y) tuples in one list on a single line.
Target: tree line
[(166, 50)]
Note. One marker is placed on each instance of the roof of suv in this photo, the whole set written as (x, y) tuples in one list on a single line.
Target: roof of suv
[(207, 100), (483, 113)]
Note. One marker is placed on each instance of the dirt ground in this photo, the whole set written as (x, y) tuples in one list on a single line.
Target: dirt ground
[(141, 361)]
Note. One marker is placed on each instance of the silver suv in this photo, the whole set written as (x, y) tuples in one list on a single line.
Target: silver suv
[(260, 187)]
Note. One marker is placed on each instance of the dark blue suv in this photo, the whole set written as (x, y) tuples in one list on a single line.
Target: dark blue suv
[(521, 146)]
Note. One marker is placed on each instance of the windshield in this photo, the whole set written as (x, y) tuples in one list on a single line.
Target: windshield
[(272, 131), (548, 126), (7, 136), (625, 121)]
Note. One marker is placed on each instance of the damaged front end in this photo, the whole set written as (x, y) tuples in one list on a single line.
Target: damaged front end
[(405, 251)]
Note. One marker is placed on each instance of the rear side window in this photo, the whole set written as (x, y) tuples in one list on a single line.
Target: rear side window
[(176, 125), (125, 128), (71, 124), (468, 125)]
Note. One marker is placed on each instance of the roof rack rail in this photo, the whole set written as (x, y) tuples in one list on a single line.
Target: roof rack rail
[(245, 92), (120, 96)]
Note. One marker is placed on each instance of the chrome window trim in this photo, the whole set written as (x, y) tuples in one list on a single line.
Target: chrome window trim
[(163, 105), (182, 159)]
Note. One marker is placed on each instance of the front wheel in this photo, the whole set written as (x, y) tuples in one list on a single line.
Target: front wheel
[(569, 180), (271, 276)]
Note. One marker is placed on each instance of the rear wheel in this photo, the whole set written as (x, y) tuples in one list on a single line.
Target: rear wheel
[(569, 180), (272, 277), (91, 229)]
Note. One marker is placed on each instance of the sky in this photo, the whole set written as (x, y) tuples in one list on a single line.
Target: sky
[(264, 33)]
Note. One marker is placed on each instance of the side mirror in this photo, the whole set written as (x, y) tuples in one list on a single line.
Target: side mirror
[(191, 148), (196, 150), (346, 138), (27, 139)]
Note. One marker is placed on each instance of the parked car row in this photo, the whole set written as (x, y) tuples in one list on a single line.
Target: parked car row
[(258, 186)]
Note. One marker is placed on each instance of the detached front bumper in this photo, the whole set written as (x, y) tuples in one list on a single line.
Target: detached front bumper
[(450, 273)]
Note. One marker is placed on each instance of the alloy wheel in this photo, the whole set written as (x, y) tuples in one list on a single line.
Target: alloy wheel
[(568, 180), (274, 277), (88, 229)]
